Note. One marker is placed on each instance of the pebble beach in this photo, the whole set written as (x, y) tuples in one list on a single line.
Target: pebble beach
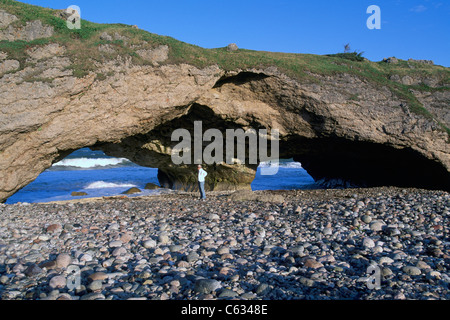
[(352, 244)]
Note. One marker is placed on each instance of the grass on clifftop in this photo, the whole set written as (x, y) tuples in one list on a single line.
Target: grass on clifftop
[(82, 48)]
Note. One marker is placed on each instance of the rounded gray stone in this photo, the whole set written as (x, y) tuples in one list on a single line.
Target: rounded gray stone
[(148, 244), (376, 226), (63, 260), (163, 239), (207, 285), (175, 248), (95, 285), (58, 282), (115, 244), (412, 271), (366, 218), (368, 243), (93, 296), (227, 293), (192, 257), (262, 289)]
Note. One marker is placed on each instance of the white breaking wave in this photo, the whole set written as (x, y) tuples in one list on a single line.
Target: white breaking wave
[(86, 163), (103, 185), (294, 165)]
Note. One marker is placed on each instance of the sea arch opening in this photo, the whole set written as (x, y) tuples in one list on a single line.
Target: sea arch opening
[(289, 176), (87, 173)]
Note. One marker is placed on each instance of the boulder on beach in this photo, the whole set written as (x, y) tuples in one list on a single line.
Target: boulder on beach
[(151, 186), (132, 191), (78, 194)]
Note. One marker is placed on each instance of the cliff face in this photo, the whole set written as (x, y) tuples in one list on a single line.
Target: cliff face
[(341, 127)]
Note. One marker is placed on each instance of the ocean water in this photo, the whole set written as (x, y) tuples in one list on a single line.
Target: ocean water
[(99, 175)]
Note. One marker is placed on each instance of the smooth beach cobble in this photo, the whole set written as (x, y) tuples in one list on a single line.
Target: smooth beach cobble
[(316, 244)]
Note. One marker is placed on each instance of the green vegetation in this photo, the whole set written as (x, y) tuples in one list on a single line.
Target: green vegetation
[(17, 49), (82, 48), (352, 56)]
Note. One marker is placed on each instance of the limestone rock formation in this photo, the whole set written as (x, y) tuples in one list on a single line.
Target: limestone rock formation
[(390, 60), (6, 19), (31, 31), (341, 127), (46, 52), (159, 54), (8, 66), (421, 61), (232, 47)]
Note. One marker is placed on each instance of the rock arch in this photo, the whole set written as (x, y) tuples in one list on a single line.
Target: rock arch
[(132, 113)]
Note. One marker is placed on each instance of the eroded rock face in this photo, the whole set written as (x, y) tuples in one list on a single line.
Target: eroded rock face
[(156, 55), (133, 112), (46, 52), (31, 31), (6, 19), (8, 66)]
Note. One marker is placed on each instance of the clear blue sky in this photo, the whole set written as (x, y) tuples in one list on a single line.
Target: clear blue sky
[(418, 29)]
